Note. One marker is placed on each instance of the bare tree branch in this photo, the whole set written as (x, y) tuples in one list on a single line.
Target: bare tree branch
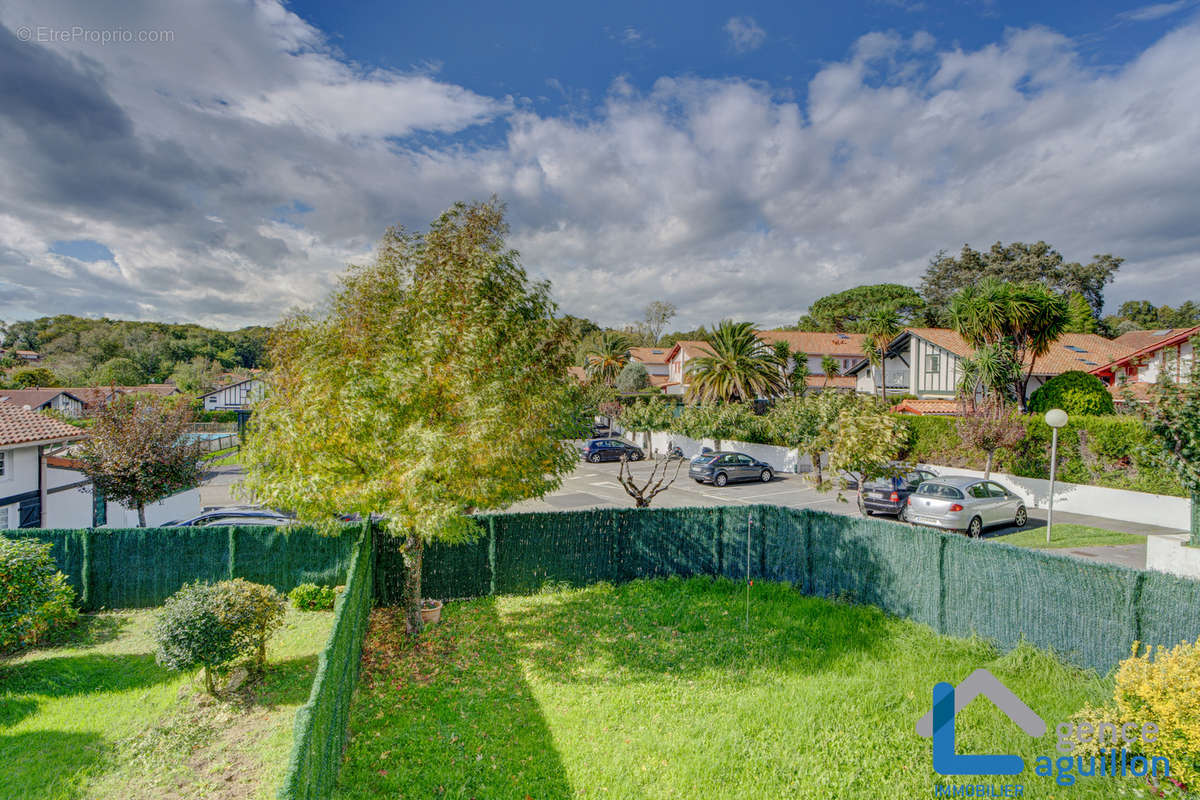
[(655, 484)]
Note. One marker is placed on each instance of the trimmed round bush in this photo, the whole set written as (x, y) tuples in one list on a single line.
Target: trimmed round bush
[(35, 598), (209, 625), (1074, 392), (254, 612), (633, 378), (311, 597), (190, 633)]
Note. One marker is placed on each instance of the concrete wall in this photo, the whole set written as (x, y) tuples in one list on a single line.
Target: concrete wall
[(1098, 501), (1173, 555)]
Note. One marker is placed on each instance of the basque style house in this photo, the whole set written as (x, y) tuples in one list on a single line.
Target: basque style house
[(925, 362), (1150, 357), (24, 437), (234, 397), (847, 349), (59, 400)]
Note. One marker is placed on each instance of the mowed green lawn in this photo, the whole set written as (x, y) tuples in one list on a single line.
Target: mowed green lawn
[(1068, 535), (657, 689), (96, 717)]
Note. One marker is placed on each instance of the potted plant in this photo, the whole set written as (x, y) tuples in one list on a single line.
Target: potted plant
[(431, 611)]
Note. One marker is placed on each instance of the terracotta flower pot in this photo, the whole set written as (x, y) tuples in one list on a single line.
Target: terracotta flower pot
[(431, 611)]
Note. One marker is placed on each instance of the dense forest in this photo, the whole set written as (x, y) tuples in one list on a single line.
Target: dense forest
[(76, 351)]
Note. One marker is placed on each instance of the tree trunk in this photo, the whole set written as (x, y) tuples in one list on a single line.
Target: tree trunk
[(987, 471), (883, 376), (141, 515), (816, 461), (1196, 517), (208, 681), (414, 551)]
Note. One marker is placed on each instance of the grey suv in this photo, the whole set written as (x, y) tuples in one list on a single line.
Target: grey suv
[(723, 467)]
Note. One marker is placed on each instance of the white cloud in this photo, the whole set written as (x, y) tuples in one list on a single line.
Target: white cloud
[(724, 196), (745, 34), (1153, 11)]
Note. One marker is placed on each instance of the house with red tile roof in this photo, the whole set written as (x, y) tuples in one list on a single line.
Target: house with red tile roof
[(24, 437), (1158, 355), (654, 359), (925, 361), (59, 400)]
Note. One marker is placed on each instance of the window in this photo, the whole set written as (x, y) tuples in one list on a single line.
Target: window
[(996, 490), (939, 490), (933, 362), (979, 490), (4, 519), (99, 508), (3, 466)]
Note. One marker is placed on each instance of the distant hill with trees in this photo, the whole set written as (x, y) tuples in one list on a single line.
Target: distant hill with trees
[(92, 352)]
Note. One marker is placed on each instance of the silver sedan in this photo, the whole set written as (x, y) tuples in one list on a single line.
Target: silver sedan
[(965, 504)]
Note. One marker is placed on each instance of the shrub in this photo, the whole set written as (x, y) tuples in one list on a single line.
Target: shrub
[(722, 422), (1074, 392), (253, 611), (311, 597), (633, 378), (35, 598), (1162, 688), (209, 625), (189, 632)]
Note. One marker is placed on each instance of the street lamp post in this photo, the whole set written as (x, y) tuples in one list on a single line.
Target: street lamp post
[(1055, 418)]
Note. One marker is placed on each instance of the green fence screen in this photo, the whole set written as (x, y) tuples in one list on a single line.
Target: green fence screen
[(1089, 613), (142, 567), (320, 731)]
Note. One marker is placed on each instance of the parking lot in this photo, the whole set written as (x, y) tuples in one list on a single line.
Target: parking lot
[(596, 486)]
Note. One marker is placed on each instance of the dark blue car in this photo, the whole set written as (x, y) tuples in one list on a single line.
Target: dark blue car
[(597, 450)]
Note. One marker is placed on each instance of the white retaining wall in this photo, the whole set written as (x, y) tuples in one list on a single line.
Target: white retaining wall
[(72, 508), (1172, 554), (1097, 501)]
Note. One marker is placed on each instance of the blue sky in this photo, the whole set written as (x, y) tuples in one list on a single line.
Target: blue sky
[(739, 161)]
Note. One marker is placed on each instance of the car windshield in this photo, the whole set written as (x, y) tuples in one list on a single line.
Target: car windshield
[(939, 490)]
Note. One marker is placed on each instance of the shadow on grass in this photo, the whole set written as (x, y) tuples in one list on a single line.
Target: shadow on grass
[(448, 715), (283, 683), (37, 762), (687, 627)]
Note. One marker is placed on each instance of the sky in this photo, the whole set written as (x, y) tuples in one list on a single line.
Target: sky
[(223, 162)]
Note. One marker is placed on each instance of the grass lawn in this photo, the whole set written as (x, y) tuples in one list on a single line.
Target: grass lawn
[(220, 458), (656, 689), (1069, 536), (96, 717)]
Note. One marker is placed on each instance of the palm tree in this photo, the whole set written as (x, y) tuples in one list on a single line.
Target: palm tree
[(831, 369), (607, 356), (881, 327), (1027, 317), (739, 366)]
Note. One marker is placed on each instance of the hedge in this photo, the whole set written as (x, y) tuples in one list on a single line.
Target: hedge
[(320, 729), (1088, 612), (142, 567)]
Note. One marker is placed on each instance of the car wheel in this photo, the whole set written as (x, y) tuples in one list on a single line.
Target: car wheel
[(594, 458), (635, 456), (766, 476), (1022, 517), (975, 528), (721, 479)]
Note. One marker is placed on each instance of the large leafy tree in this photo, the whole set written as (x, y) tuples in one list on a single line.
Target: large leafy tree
[(738, 366), (607, 353), (1017, 262), (848, 310), (866, 443), (1025, 317), (138, 454), (881, 327), (435, 385)]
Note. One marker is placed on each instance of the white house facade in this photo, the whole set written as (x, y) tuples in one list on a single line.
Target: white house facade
[(24, 437), (238, 396)]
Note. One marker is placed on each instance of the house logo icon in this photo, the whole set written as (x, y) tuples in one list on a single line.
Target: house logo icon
[(948, 700)]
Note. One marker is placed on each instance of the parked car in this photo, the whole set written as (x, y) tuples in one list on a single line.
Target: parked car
[(721, 468), (233, 515), (597, 450), (965, 504), (890, 495)]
